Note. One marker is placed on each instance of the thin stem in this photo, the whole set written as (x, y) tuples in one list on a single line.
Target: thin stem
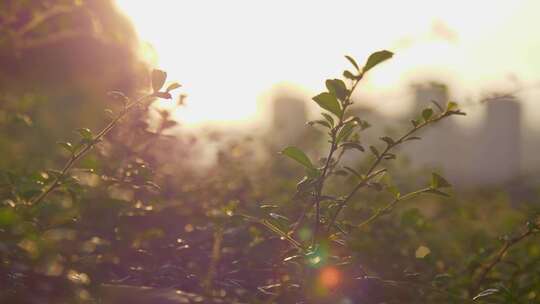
[(391, 205), (333, 148), (81, 153), (497, 258), (377, 161)]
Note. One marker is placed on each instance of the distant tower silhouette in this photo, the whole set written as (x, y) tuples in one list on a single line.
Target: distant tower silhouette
[(289, 116), (425, 93), (500, 141)]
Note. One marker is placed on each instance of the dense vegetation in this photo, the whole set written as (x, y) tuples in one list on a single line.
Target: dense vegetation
[(99, 214)]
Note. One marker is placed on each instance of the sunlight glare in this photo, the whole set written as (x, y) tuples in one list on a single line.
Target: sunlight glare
[(227, 54)]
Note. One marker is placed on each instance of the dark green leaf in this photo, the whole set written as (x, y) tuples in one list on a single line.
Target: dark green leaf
[(374, 151), (328, 102), (328, 118), (438, 181), (376, 58), (427, 113), (388, 140), (158, 79), (349, 75), (299, 156), (353, 62), (337, 88)]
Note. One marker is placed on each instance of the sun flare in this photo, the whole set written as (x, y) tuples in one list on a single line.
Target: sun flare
[(229, 54)]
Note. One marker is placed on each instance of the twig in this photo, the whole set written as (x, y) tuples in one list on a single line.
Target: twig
[(378, 160), (391, 205), (499, 255), (81, 153), (333, 148)]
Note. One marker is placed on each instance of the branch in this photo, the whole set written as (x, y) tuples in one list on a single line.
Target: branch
[(532, 228), (378, 160), (75, 157), (391, 205)]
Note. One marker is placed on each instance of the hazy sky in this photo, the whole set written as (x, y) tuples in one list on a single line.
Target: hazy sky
[(230, 54)]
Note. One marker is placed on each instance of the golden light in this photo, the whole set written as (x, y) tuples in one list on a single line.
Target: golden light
[(228, 54)]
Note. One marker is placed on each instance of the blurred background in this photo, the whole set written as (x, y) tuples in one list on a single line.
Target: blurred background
[(155, 204)]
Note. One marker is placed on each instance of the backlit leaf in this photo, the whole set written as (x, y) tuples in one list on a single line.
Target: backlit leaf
[(376, 58), (158, 79), (299, 156), (328, 102)]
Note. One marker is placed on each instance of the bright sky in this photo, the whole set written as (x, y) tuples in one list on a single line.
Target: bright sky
[(230, 54)]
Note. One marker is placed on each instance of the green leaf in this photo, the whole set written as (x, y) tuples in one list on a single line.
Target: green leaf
[(352, 145), (347, 74), (345, 131), (85, 133), (337, 88), (376, 58), (328, 102), (173, 86), (388, 140), (415, 122), (353, 62), (451, 106), (320, 122), (158, 79), (427, 113), (374, 151), (438, 181), (299, 156), (394, 191), (328, 118), (66, 145)]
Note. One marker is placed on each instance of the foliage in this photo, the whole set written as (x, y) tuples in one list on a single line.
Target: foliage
[(131, 208)]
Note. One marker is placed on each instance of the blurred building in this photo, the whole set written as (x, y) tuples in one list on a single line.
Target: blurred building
[(489, 154), (289, 117)]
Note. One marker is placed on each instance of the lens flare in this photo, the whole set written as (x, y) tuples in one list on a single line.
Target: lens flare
[(329, 278)]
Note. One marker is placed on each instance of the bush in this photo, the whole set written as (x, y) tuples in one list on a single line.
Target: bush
[(131, 209)]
